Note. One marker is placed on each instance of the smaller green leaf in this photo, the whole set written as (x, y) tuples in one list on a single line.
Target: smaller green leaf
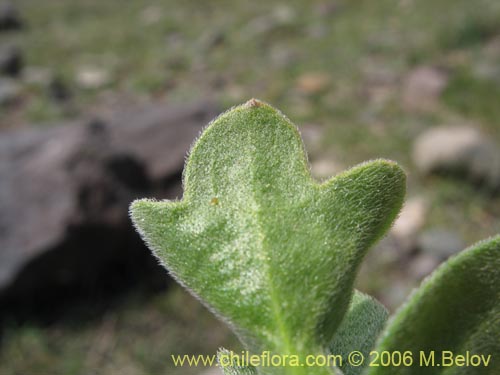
[(457, 311), (223, 356), (359, 330)]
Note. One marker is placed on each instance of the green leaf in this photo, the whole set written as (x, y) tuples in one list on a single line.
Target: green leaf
[(457, 309), (266, 247), (359, 330)]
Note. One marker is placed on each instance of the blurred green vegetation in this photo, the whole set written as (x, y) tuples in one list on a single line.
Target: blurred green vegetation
[(137, 338), (340, 65)]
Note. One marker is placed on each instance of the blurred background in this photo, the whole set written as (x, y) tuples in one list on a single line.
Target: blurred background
[(101, 99)]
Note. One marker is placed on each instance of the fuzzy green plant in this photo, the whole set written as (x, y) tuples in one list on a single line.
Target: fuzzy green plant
[(275, 254)]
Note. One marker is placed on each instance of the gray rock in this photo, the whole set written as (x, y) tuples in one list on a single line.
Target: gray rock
[(313, 83), (9, 17), (37, 75), (396, 293), (445, 147), (440, 243), (423, 87), (151, 14), (409, 223), (11, 61), (388, 251), (10, 92), (281, 16), (64, 197), (327, 8), (211, 40), (92, 78), (312, 134), (380, 83), (423, 264), (283, 56), (461, 150), (325, 168), (212, 371), (58, 89)]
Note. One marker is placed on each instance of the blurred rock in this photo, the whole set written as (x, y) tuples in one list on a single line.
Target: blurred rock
[(281, 16), (151, 14), (313, 83), (387, 251), (440, 243), (11, 61), (9, 17), (461, 150), (422, 265), (92, 77), (396, 293), (36, 75), (445, 147), (283, 56), (58, 89), (212, 39), (327, 8), (423, 87), (212, 371), (325, 168), (10, 92), (380, 83), (409, 223), (317, 30), (64, 197), (312, 134)]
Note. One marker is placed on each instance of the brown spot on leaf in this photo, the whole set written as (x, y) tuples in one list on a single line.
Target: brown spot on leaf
[(253, 103)]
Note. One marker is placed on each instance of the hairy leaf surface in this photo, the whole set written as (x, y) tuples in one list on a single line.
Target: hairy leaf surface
[(358, 331), (266, 247)]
